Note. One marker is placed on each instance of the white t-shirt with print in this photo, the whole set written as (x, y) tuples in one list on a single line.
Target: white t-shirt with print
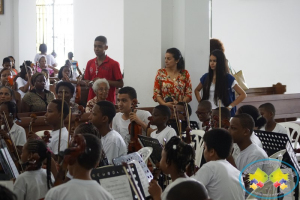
[(79, 189), (278, 129), (113, 145), (54, 140), (250, 154), (167, 133), (221, 180), (21, 83), (121, 126), (18, 135), (176, 182), (31, 185)]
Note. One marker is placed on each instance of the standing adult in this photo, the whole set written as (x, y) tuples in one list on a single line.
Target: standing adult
[(173, 83), (218, 84), (103, 67), (49, 58)]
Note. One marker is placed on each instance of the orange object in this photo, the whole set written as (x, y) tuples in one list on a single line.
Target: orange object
[(11, 80)]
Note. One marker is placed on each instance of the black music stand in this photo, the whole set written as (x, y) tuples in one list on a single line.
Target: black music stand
[(154, 143)]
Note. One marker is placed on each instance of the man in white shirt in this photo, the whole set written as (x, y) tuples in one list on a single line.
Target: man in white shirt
[(127, 100), (241, 128), (113, 144), (53, 118), (267, 110), (219, 177)]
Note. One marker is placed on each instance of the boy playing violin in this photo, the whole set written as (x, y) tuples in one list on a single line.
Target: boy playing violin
[(82, 186), (127, 100), (204, 114)]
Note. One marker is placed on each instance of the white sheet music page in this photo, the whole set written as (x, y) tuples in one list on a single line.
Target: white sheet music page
[(142, 176), (118, 187), (9, 160)]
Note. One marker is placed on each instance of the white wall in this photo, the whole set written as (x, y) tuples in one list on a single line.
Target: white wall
[(98, 17), (6, 31), (150, 28), (18, 30), (142, 46), (261, 38)]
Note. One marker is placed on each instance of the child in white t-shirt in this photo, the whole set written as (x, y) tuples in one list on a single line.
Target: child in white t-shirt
[(176, 158), (127, 98), (113, 144), (82, 186), (267, 110), (35, 182), (160, 116), (53, 118), (219, 177), (241, 128), (24, 79), (17, 133)]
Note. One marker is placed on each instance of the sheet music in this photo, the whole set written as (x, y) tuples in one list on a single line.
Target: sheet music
[(143, 177), (118, 187), (9, 160)]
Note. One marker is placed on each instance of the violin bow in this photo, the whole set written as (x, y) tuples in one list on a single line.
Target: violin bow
[(8, 128), (132, 182), (69, 125), (220, 121), (62, 118), (187, 114), (177, 121)]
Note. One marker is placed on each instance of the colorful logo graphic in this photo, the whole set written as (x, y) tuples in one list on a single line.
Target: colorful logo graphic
[(277, 177), (269, 179)]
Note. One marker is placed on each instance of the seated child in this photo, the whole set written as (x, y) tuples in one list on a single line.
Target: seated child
[(204, 113), (241, 128), (16, 133), (267, 110), (219, 177), (82, 186), (176, 158), (113, 144), (53, 118), (191, 190), (35, 182), (160, 116), (126, 98), (225, 118)]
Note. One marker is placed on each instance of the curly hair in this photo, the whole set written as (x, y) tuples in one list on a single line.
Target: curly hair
[(216, 44), (180, 154)]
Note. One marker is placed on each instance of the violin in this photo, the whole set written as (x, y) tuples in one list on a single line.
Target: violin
[(78, 90), (207, 125), (178, 121), (46, 137), (134, 131), (76, 148), (78, 116)]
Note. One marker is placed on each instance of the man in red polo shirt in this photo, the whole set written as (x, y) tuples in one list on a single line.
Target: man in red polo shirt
[(103, 67)]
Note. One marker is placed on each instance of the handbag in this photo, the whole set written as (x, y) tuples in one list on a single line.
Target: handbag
[(239, 77)]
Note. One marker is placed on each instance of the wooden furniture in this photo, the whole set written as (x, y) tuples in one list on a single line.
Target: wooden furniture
[(287, 105), (275, 89)]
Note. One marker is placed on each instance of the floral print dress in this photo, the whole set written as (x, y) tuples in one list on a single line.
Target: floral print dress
[(178, 88)]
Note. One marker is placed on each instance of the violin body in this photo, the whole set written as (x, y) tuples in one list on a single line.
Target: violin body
[(134, 131), (78, 93)]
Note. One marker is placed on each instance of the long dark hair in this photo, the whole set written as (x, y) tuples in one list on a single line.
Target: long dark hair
[(177, 56), (221, 89), (180, 154), (39, 147)]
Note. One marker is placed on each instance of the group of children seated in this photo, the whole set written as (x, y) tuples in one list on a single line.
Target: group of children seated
[(226, 151)]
